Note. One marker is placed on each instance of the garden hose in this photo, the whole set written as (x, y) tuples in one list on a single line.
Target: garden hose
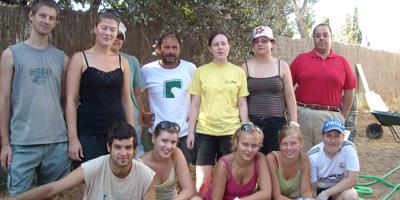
[(362, 188)]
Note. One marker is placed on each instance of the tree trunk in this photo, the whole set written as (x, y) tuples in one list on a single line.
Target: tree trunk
[(94, 6), (299, 12), (301, 27)]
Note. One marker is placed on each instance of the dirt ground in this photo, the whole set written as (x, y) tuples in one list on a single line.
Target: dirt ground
[(377, 157)]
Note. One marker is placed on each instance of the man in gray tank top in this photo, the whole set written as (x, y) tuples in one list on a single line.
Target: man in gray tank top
[(33, 133)]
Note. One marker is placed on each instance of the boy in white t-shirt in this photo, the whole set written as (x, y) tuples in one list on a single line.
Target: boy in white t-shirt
[(334, 164)]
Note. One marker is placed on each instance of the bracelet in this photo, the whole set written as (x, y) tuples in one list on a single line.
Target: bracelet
[(293, 123)]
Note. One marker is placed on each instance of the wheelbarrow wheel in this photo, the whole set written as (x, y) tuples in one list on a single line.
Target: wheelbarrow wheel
[(374, 131)]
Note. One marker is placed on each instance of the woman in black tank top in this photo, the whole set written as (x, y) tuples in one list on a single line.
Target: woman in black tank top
[(271, 90), (98, 92)]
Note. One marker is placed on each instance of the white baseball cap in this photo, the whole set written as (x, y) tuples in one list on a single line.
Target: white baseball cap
[(262, 31), (122, 29)]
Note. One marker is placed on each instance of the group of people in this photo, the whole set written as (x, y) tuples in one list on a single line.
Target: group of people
[(245, 128)]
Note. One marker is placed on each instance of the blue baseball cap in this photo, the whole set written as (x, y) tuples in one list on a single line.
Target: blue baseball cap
[(333, 124)]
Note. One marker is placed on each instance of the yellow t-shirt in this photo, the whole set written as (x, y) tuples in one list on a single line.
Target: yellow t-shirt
[(219, 86)]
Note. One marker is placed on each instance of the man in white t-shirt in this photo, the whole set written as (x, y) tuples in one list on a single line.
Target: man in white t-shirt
[(112, 177), (334, 164), (166, 81)]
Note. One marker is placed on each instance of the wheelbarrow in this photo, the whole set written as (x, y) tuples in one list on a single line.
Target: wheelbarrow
[(389, 119)]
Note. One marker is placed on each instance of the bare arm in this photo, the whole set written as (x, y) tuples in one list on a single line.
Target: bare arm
[(63, 82), (219, 181), (347, 101), (139, 100), (193, 116), (243, 66), (189, 99), (185, 180), (350, 180), (49, 190), (305, 181), (151, 192), (126, 93), (147, 117), (6, 76), (243, 112), (290, 98), (273, 171), (264, 181), (74, 72)]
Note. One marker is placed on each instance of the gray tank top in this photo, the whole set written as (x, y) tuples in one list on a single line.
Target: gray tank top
[(266, 97), (36, 110)]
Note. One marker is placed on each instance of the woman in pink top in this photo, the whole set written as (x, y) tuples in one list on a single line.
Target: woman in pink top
[(237, 174)]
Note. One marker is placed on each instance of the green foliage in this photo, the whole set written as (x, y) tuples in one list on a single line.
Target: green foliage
[(325, 20), (351, 33), (309, 19), (194, 20), (305, 18)]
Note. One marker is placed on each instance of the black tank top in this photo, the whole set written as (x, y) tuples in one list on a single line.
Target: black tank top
[(100, 100)]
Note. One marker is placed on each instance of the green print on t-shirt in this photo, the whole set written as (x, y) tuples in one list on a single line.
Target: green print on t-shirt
[(169, 84)]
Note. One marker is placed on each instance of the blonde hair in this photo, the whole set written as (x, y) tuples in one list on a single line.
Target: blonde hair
[(247, 129), (290, 130)]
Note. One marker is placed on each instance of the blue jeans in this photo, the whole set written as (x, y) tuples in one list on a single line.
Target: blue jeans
[(270, 127), (50, 162)]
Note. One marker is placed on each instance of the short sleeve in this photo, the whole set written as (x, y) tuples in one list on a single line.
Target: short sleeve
[(137, 76), (313, 170), (195, 85), (243, 90), (293, 68), (145, 174), (352, 162), (144, 71), (350, 79), (313, 159), (90, 170)]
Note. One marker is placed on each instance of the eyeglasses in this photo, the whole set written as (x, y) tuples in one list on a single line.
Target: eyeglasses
[(104, 11), (249, 127), (168, 125), (262, 41)]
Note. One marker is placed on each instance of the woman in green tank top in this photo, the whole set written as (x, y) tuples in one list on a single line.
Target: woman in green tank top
[(289, 167)]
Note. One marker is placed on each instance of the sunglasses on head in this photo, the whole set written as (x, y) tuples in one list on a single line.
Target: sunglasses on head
[(249, 127), (169, 125), (115, 13)]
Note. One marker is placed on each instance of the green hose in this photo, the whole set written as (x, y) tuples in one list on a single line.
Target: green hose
[(362, 188)]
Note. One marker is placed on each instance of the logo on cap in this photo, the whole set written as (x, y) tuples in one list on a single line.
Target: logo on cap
[(259, 30), (333, 124)]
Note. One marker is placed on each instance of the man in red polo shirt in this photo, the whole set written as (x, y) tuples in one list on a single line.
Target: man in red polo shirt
[(325, 82)]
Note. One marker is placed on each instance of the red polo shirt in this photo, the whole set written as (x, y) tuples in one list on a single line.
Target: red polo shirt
[(321, 81)]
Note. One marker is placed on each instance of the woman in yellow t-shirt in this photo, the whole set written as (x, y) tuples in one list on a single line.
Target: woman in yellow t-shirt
[(218, 108)]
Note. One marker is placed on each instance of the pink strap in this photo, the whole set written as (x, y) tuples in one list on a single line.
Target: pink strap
[(228, 167), (255, 167)]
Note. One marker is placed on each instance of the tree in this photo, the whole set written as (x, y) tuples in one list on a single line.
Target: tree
[(325, 20), (304, 16), (22, 3), (351, 33), (195, 19)]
